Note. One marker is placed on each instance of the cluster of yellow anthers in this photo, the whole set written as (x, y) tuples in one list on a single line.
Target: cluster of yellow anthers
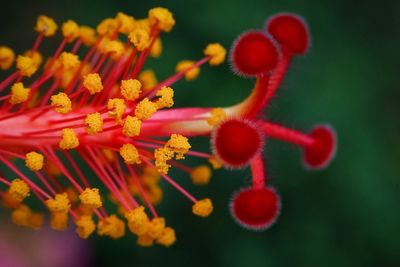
[(103, 106)]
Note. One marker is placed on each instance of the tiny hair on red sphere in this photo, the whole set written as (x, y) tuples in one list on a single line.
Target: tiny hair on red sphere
[(256, 208), (254, 53), (321, 153), (236, 142), (291, 31)]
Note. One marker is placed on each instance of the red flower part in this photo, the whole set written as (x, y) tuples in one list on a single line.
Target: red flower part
[(236, 141), (291, 31), (254, 53)]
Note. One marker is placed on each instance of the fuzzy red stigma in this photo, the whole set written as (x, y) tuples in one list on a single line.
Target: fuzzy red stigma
[(254, 53), (291, 31), (236, 141), (256, 209), (321, 153)]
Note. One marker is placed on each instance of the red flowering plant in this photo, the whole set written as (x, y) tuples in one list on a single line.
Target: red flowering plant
[(109, 112)]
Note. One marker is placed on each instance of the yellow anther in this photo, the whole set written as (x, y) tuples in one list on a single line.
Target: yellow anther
[(131, 126), (91, 197), (85, 226), (87, 35), (46, 25), (116, 108), (69, 140), (35, 220), (202, 208), (167, 237), (26, 66), (178, 144), (19, 190), (130, 89), (189, 74), (156, 227), (116, 49), (111, 226), (216, 52), (59, 221), (215, 163), (145, 109), (140, 38), (148, 79), (162, 155), (19, 94), (69, 61), (154, 194), (94, 123), (60, 203), (217, 116), (7, 57), (20, 216), (201, 175), (145, 241), (92, 82), (137, 221), (61, 103), (36, 56), (156, 49), (142, 24), (161, 17), (102, 46), (166, 99), (130, 154), (70, 30), (107, 27), (34, 161), (125, 23)]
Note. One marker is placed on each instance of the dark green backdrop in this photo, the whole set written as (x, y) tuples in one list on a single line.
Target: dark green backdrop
[(346, 215)]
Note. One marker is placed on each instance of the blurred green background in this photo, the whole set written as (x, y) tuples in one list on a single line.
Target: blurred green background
[(346, 215)]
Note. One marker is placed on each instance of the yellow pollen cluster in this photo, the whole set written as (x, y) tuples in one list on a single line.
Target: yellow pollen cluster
[(216, 52), (115, 48), (131, 126), (18, 190), (201, 175), (69, 61), (202, 208), (94, 123), (26, 66), (215, 163), (140, 38), (137, 221), (87, 35), (218, 115), (92, 82), (161, 17), (125, 23), (145, 109), (91, 197), (166, 99), (85, 226), (69, 140), (167, 237), (107, 27), (59, 221), (190, 74), (35, 56), (148, 79), (111, 226), (70, 30), (162, 155), (60, 203), (156, 49), (7, 57), (46, 26), (130, 154), (24, 216), (34, 161), (19, 94), (130, 89), (178, 144), (61, 103), (116, 108)]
